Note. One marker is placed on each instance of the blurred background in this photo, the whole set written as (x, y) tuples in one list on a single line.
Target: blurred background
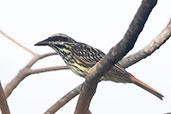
[(100, 23)]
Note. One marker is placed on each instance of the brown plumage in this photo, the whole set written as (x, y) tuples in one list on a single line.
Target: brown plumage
[(81, 57)]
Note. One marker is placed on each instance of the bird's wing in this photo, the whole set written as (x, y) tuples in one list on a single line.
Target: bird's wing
[(87, 54), (90, 56)]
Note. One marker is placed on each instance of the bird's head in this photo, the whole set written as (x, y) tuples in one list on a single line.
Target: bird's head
[(56, 40), (59, 42)]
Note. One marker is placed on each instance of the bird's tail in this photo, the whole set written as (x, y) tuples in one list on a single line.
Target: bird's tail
[(146, 87)]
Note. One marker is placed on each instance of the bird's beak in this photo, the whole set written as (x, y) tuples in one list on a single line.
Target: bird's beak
[(42, 43)]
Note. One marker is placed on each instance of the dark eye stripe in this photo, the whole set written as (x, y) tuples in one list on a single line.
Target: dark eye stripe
[(60, 46)]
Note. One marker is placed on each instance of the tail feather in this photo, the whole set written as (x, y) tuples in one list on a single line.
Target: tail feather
[(146, 87)]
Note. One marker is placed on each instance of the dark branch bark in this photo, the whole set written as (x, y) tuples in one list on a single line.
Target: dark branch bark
[(3, 102), (114, 55)]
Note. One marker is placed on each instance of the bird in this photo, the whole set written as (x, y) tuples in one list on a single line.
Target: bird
[(81, 57)]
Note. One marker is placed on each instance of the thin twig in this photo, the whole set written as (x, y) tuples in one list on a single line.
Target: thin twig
[(39, 57), (20, 45), (3, 102), (42, 70)]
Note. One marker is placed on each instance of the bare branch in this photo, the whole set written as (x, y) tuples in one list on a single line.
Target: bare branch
[(24, 73), (38, 57), (3, 102), (14, 82), (26, 70), (126, 62), (149, 49), (60, 103), (117, 52), (42, 70), (20, 45)]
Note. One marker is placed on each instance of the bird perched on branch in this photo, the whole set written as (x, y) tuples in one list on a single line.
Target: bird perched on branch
[(80, 58)]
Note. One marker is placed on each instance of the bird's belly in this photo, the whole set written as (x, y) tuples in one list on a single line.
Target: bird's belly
[(79, 70)]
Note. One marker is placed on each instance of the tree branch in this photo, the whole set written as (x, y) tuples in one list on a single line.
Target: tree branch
[(117, 52), (20, 45), (126, 62), (149, 49), (38, 57), (3, 103), (65, 99), (48, 69), (26, 71)]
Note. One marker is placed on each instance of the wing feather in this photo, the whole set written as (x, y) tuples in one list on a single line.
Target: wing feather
[(89, 56)]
